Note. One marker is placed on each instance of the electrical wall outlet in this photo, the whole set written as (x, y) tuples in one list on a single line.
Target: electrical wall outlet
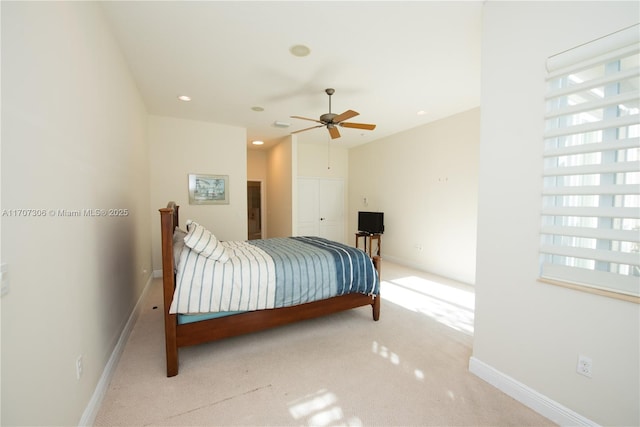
[(585, 366)]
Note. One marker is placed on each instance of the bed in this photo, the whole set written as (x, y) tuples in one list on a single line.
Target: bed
[(212, 311)]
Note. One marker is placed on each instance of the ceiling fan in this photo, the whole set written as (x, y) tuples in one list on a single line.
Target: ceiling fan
[(331, 121)]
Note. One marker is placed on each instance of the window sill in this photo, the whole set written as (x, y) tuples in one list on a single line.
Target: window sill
[(589, 290)]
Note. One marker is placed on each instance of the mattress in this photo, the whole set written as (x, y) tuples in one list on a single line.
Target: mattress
[(270, 273)]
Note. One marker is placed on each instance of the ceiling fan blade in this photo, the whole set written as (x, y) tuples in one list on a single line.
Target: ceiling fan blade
[(305, 118), (333, 131), (344, 116), (358, 126), (302, 130)]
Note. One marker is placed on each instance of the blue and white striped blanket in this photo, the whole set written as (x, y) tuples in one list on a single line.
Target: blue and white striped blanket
[(271, 273)]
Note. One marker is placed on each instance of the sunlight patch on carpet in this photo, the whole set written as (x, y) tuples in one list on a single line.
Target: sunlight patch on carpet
[(448, 305), (385, 353), (393, 358), (321, 409)]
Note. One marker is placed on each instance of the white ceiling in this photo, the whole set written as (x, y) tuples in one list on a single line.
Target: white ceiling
[(386, 60)]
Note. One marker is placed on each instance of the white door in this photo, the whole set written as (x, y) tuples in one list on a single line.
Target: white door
[(321, 208), (308, 207), (331, 209)]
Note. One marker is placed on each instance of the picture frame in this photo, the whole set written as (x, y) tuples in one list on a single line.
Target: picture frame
[(208, 189)]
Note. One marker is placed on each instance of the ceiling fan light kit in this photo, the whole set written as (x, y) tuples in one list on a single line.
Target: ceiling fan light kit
[(331, 120)]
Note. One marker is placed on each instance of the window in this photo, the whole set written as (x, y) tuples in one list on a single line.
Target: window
[(590, 226)]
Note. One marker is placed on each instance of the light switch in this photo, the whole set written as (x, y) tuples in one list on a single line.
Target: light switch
[(4, 279)]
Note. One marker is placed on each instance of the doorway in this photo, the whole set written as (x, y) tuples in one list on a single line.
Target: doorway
[(254, 209)]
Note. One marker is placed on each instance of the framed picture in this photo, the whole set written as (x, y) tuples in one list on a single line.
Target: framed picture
[(208, 189)]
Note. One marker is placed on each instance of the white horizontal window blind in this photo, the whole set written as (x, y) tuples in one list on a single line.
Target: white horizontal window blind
[(590, 227)]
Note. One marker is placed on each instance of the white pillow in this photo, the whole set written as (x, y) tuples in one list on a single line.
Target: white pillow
[(203, 242), (178, 244)]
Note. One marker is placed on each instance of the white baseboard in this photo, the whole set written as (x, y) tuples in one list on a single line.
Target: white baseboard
[(546, 407), (91, 411)]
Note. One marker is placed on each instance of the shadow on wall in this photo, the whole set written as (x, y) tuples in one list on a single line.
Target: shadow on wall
[(119, 281)]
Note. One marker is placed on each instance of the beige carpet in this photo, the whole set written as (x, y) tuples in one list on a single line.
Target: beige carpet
[(410, 368)]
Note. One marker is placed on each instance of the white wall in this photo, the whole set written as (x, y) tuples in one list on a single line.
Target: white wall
[(181, 147), (425, 182), (280, 172), (529, 331), (320, 161), (257, 165), (73, 138)]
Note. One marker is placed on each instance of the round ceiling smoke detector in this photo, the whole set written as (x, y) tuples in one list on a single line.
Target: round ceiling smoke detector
[(300, 50)]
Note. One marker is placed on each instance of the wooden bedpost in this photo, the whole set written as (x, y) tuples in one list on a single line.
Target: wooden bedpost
[(167, 223), (376, 301)]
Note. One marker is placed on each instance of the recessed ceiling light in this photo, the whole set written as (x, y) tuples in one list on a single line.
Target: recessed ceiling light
[(257, 142), (422, 113), (299, 50), (257, 108), (184, 98)]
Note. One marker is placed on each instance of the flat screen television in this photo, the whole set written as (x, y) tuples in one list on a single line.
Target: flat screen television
[(371, 222)]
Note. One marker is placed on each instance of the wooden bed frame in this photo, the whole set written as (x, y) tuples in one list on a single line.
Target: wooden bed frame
[(177, 336)]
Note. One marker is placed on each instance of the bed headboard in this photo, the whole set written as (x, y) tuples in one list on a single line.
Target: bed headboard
[(169, 220), (172, 209)]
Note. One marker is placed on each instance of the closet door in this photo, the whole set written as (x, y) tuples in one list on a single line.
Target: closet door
[(308, 207), (331, 209), (321, 208)]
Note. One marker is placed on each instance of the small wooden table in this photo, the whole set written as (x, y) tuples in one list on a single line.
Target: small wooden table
[(374, 236)]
